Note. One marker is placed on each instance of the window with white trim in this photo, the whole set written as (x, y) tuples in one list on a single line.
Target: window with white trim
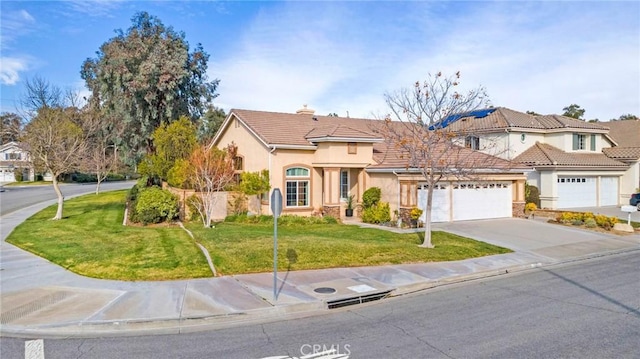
[(344, 184), (297, 187), (579, 141), (472, 142)]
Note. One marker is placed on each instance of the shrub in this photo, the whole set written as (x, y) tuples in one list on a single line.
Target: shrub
[(17, 174), (379, 213), (415, 213), (590, 223), (156, 205), (371, 197), (285, 220), (530, 207), (577, 222), (605, 222), (531, 194)]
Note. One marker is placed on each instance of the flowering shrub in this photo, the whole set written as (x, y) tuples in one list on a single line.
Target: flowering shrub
[(588, 219), (530, 207), (415, 213)]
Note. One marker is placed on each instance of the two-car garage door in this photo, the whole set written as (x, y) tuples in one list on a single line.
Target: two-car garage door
[(467, 201), (583, 192)]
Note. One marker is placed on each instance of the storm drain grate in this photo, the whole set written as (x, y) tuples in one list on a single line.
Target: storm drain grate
[(339, 303), (33, 306)]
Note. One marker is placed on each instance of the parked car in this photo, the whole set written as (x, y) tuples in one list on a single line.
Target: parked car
[(635, 200)]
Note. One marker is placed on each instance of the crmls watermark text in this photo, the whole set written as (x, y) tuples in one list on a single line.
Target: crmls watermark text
[(311, 349)]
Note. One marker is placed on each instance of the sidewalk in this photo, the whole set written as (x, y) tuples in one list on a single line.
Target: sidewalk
[(40, 299)]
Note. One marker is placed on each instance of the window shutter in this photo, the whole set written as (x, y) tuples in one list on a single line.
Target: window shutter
[(575, 141), (593, 142)]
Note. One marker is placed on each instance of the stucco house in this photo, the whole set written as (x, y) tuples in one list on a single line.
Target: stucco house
[(574, 163), (318, 161), (14, 157), (627, 136)]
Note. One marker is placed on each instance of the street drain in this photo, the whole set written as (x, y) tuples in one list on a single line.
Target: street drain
[(325, 290), (357, 300)]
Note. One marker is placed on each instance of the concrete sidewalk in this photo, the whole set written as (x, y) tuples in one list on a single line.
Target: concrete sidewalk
[(40, 299)]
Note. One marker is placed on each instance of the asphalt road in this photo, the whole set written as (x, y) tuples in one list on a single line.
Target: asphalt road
[(17, 197), (588, 309)]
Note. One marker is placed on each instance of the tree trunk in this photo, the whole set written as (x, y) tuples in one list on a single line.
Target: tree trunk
[(426, 243), (56, 188)]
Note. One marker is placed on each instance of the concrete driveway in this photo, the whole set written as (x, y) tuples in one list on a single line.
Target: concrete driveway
[(539, 237)]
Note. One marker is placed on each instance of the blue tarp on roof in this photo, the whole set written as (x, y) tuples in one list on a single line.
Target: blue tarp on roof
[(453, 118)]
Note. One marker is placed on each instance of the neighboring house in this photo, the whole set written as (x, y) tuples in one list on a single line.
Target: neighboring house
[(14, 158), (318, 161), (575, 163), (627, 135)]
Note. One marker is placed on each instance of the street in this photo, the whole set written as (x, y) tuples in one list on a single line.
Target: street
[(586, 309), (17, 197)]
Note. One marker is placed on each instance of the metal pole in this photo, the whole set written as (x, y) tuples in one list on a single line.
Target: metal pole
[(275, 258)]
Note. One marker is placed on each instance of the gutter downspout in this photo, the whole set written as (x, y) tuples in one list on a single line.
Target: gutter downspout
[(270, 175), (398, 203)]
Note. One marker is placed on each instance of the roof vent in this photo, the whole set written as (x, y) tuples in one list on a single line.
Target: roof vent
[(305, 111)]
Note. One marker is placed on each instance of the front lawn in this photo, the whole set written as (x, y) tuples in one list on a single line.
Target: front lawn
[(92, 241), (244, 248)]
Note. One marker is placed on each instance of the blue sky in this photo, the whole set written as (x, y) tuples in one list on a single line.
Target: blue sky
[(339, 56)]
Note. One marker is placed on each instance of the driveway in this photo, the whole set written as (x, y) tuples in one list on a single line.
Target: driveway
[(539, 237)]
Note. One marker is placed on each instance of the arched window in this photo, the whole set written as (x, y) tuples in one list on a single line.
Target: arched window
[(297, 187)]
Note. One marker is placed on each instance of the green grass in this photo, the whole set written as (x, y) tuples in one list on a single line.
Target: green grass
[(92, 241), (247, 248)]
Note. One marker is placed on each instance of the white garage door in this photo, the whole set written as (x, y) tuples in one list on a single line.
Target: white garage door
[(608, 191), (6, 175), (577, 192), (440, 204), (470, 201), (482, 200)]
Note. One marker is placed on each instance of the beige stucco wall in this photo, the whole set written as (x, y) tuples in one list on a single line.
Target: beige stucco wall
[(337, 154), (629, 183), (254, 153), (388, 183)]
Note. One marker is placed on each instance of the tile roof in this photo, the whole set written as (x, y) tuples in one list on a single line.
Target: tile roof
[(630, 153), (542, 154), (295, 129), (504, 118), (625, 133)]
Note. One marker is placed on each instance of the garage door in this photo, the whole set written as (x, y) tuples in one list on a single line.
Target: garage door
[(608, 191), (577, 192), (470, 201), (482, 200), (440, 204), (6, 175)]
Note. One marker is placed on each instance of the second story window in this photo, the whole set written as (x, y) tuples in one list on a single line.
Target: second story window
[(237, 163), (13, 156), (579, 141), (472, 142)]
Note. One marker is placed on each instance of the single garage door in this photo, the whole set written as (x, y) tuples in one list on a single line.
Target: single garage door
[(577, 192), (440, 204), (482, 200), (6, 175), (470, 201), (608, 191)]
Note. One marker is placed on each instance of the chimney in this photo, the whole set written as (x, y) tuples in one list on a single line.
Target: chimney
[(305, 111)]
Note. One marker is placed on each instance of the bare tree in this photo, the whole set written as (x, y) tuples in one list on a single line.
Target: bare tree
[(213, 170), (101, 157), (55, 143), (40, 93), (418, 131)]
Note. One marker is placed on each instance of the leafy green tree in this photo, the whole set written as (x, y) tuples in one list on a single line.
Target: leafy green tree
[(172, 142), (56, 143), (210, 123), (574, 111), (255, 184), (627, 117), (147, 77)]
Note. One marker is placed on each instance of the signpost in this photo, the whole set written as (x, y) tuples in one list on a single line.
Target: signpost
[(276, 209), (629, 209)]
